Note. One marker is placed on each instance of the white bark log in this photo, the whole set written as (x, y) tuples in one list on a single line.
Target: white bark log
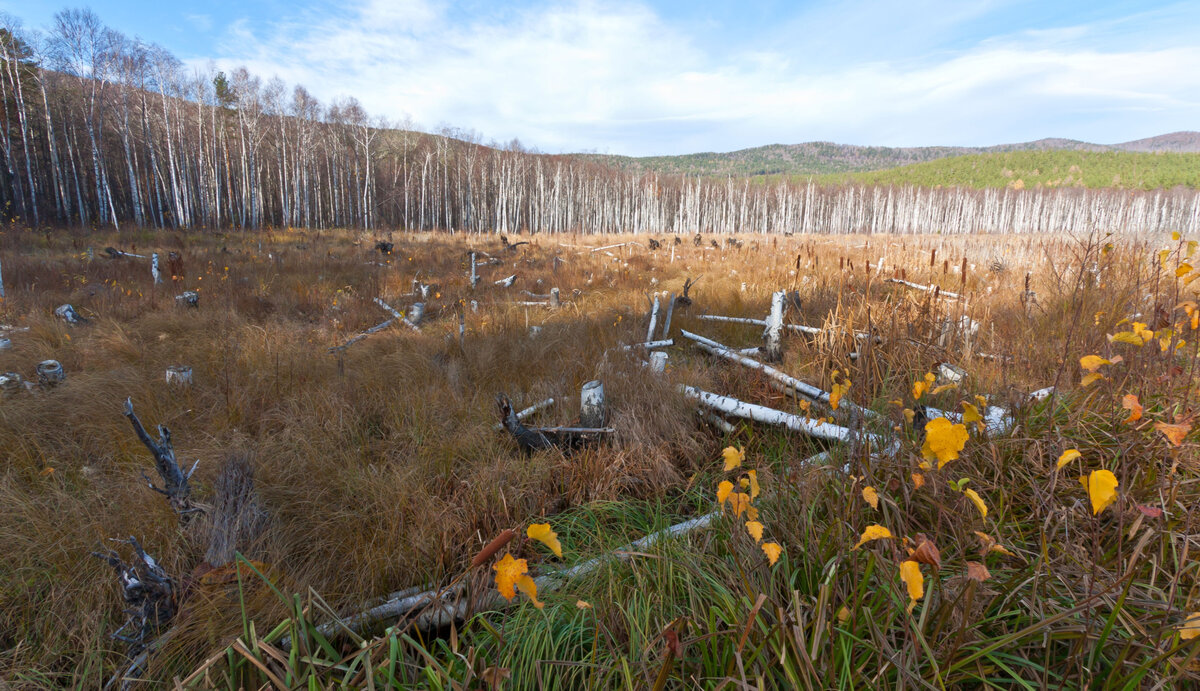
[(650, 345), (521, 415), (771, 416), (928, 289), (658, 362), (154, 268), (179, 375), (666, 328), (653, 320)]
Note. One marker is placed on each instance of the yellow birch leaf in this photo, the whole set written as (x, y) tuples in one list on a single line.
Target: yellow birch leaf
[(943, 441), (508, 572), (527, 586), (543, 534), (920, 386), (978, 501), (1191, 627), (723, 491), (583, 604), (873, 532), (1174, 433), (733, 458), (744, 483), (740, 502), (772, 551), (971, 414), (1066, 457), (1089, 379), (1183, 270), (1101, 486), (909, 415), (943, 387), (914, 581), (1091, 363), (1126, 337), (871, 496), (754, 488), (843, 615), (837, 392), (755, 529), (918, 480), (48, 470), (751, 513), (1130, 402)]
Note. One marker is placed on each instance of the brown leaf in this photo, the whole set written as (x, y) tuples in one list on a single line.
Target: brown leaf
[(926, 552), (977, 571), (1150, 511), (493, 676)]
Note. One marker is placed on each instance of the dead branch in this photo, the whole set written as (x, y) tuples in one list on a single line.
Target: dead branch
[(175, 483)]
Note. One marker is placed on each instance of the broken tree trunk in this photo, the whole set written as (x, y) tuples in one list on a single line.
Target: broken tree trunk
[(149, 592), (50, 373), (773, 333), (175, 483), (666, 328), (653, 320), (238, 521), (68, 314), (474, 277), (154, 268), (179, 375), (521, 415), (592, 412)]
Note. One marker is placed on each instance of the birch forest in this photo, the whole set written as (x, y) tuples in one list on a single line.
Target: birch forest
[(100, 129)]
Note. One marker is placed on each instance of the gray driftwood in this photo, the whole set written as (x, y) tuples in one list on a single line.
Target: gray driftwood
[(175, 482)]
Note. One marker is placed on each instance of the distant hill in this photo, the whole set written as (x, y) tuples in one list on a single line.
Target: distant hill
[(1129, 169), (821, 158)]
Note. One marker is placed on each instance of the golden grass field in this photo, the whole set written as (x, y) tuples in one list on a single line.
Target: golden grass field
[(380, 470)]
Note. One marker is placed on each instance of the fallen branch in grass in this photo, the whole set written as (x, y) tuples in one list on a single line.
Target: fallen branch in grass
[(531, 439), (521, 415), (810, 330), (175, 482), (928, 289), (649, 345)]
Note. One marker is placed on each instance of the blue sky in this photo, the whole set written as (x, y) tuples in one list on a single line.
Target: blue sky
[(676, 76)]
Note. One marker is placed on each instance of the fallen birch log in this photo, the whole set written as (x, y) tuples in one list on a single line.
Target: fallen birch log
[(68, 314), (773, 331), (521, 415), (666, 327), (608, 247), (801, 388), (415, 311), (649, 345), (810, 330), (928, 289), (759, 413), (653, 320)]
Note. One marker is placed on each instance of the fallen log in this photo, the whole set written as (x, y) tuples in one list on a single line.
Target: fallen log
[(521, 415), (928, 289), (773, 331)]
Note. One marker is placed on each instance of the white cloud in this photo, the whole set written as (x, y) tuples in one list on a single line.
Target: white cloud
[(621, 78)]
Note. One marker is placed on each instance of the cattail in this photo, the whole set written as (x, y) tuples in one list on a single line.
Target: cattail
[(964, 271), (492, 547), (945, 266), (932, 257)]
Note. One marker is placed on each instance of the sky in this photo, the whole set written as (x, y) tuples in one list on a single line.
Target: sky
[(673, 76)]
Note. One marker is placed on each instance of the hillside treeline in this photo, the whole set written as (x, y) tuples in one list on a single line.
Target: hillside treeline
[(102, 129)]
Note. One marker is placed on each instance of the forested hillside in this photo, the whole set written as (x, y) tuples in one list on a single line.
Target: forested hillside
[(1023, 169)]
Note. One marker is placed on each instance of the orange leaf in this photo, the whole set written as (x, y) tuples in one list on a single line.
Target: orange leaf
[(527, 586), (740, 502), (755, 529), (1130, 403), (1174, 433), (508, 572), (918, 480), (723, 491), (926, 552), (871, 496), (1191, 627)]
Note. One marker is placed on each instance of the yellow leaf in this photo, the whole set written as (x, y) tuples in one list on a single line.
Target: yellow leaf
[(1066, 457), (914, 581), (1191, 248), (943, 441), (772, 551), (873, 532), (837, 392), (843, 614), (943, 387), (755, 529), (527, 586), (971, 414), (1126, 337), (754, 488), (508, 572), (543, 534), (1174, 433), (1183, 270), (583, 604), (740, 502), (1131, 403), (744, 483), (48, 470), (723, 491), (909, 415), (920, 386), (918, 480), (974, 497), (733, 458), (1191, 627), (1091, 363), (1101, 486), (1090, 378), (871, 496), (751, 513)]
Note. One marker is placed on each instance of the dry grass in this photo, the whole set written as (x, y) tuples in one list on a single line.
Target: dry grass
[(380, 468)]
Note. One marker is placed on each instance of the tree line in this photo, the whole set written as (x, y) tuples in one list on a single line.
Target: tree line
[(101, 129)]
